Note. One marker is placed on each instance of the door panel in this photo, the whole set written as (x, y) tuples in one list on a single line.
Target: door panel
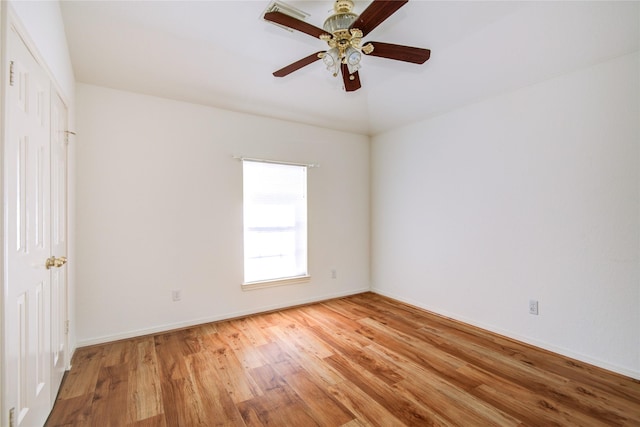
[(27, 308), (59, 138)]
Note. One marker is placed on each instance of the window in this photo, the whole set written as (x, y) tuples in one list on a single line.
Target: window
[(275, 222)]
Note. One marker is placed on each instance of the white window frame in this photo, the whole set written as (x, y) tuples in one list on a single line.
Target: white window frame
[(298, 208)]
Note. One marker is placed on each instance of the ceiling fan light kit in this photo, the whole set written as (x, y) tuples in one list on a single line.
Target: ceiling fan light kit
[(343, 32)]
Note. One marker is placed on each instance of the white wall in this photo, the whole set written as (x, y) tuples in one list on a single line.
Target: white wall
[(531, 195), (160, 208)]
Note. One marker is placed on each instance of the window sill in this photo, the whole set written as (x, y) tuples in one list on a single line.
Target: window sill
[(275, 282)]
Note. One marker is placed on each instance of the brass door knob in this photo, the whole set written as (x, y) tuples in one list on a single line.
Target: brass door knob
[(55, 262)]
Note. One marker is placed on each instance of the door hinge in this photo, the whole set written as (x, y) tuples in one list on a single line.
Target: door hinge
[(66, 327), (12, 417), (66, 136), (10, 73)]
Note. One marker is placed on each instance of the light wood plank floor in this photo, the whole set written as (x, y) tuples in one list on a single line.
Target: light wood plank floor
[(356, 361)]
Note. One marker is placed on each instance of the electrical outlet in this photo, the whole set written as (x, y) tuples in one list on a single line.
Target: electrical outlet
[(533, 307), (334, 274), (176, 295)]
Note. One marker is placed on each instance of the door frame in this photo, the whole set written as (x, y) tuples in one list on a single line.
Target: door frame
[(3, 101)]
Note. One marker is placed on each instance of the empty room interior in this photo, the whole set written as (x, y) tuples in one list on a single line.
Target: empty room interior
[(340, 213)]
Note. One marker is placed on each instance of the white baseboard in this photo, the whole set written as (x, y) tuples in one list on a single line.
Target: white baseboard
[(509, 334), (194, 322)]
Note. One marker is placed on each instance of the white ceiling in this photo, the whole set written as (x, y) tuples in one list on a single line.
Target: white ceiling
[(220, 53)]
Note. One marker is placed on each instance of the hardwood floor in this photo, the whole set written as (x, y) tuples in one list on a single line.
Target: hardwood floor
[(356, 361)]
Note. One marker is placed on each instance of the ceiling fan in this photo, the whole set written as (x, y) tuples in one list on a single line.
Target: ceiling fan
[(343, 31)]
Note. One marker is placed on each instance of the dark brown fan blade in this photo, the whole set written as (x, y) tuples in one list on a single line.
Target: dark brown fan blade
[(376, 13), (293, 23), (400, 53), (351, 81), (297, 65)]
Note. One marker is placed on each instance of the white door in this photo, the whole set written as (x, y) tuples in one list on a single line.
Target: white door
[(27, 238), (59, 329)]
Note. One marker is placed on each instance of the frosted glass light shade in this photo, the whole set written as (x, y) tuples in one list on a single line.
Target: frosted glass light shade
[(353, 56), (331, 60)]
